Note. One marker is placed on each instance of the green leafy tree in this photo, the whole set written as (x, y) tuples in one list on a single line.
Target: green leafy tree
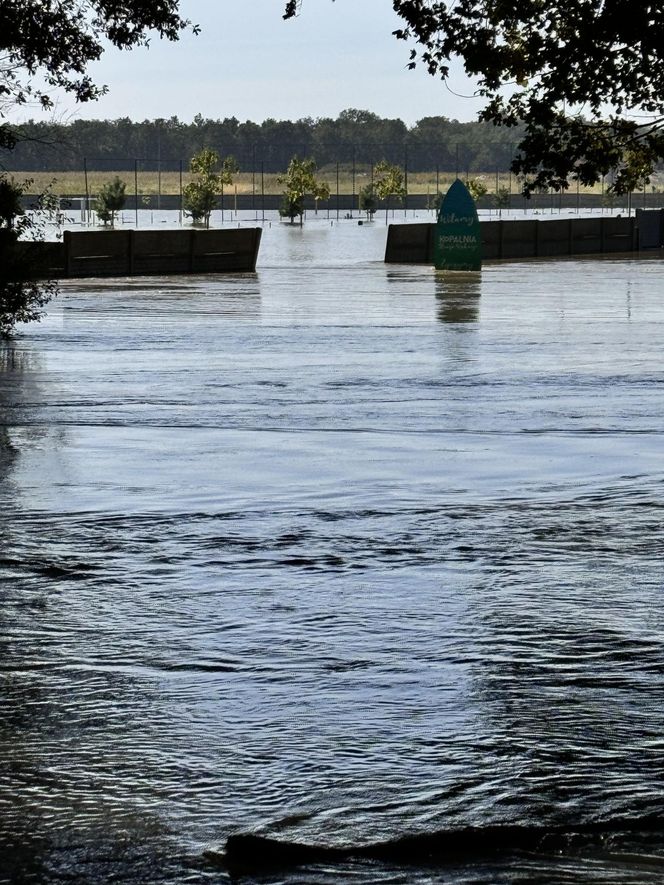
[(436, 202), (608, 200), (300, 181), (291, 207), (321, 192), (367, 199), (389, 184), (111, 200), (23, 295), (502, 199), (200, 195), (584, 78), (476, 188)]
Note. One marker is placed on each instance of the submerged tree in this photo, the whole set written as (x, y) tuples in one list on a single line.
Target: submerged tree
[(300, 181), (502, 199), (23, 294), (388, 184), (322, 192), (584, 77), (200, 195), (368, 200), (111, 200), (476, 188)]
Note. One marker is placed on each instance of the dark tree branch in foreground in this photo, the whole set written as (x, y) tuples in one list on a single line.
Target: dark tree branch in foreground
[(585, 78), (23, 294), (48, 44)]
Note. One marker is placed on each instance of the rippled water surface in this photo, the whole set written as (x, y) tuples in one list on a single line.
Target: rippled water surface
[(336, 553)]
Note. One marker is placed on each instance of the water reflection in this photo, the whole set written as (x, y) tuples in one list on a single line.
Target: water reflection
[(19, 367), (458, 296), (68, 736), (169, 301), (7, 449)]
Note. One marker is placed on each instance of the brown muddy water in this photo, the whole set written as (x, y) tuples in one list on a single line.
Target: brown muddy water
[(337, 553)]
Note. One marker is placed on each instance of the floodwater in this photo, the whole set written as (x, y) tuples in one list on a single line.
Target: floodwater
[(337, 553)]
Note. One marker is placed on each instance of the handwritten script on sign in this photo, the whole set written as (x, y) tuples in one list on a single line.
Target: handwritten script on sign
[(458, 234)]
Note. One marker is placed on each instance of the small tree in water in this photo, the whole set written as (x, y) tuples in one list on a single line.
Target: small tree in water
[(476, 188), (200, 195), (322, 192), (503, 199), (300, 180), (22, 293), (111, 200), (367, 200), (389, 183)]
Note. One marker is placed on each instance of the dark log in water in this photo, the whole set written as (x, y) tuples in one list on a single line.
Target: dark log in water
[(247, 852)]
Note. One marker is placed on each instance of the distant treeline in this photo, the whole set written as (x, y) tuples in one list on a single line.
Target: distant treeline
[(356, 137)]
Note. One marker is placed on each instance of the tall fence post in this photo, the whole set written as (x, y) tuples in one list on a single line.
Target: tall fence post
[(181, 194), (136, 190), (337, 192), (87, 192), (352, 202), (253, 179), (405, 181), (263, 189)]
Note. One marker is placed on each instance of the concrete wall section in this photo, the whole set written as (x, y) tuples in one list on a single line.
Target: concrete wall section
[(650, 223), (410, 243), (552, 238), (235, 249), (519, 239), (127, 252), (531, 238), (152, 253), (94, 254)]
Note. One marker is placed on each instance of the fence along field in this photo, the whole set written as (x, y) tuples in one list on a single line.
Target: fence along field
[(153, 183)]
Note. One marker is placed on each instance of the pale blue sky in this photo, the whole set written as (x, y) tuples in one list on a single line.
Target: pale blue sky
[(248, 63)]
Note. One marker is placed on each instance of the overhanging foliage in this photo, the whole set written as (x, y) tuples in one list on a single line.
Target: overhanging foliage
[(585, 77), (57, 39), (23, 292)]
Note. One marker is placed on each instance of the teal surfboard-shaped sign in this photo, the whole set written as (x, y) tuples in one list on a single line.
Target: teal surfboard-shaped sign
[(458, 235)]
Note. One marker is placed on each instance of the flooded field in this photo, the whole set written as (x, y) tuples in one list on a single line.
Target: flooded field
[(337, 553)]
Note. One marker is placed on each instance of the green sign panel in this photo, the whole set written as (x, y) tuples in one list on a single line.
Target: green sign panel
[(458, 236)]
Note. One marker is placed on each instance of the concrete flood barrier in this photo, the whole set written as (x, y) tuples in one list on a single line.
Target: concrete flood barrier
[(119, 253), (536, 238)]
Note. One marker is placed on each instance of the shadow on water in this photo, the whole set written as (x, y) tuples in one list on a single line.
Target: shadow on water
[(458, 296), (14, 363), (248, 854)]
